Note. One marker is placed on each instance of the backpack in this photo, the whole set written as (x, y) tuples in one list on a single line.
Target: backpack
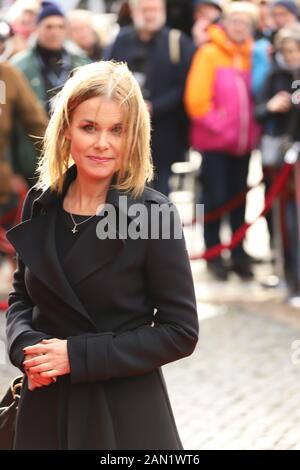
[(174, 45)]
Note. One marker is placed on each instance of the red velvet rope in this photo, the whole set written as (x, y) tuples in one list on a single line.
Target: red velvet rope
[(12, 218), (228, 207), (239, 235)]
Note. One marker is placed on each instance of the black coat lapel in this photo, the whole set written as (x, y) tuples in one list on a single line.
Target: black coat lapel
[(34, 241), (89, 253)]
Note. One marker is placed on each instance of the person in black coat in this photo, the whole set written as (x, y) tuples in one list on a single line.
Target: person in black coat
[(278, 110), (160, 59), (103, 295)]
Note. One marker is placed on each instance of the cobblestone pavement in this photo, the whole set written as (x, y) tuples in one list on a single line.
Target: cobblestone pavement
[(240, 389)]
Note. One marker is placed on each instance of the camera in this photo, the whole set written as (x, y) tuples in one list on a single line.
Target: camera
[(6, 31)]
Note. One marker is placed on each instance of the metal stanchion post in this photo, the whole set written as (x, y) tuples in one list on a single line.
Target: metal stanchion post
[(277, 279), (292, 156), (278, 244), (184, 193), (297, 187)]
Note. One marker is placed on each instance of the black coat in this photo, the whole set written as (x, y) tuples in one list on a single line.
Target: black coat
[(164, 87), (101, 296), (276, 124), (180, 15)]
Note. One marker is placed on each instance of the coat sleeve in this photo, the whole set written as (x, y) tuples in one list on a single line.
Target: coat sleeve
[(173, 333), (19, 330), (261, 100), (198, 95), (28, 109)]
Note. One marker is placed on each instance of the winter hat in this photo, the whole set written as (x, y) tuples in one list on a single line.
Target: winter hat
[(289, 5), (247, 8), (49, 9)]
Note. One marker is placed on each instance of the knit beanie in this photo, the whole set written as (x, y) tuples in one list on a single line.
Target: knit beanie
[(289, 5), (48, 9)]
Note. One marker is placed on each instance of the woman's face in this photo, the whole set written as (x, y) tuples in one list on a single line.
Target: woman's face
[(291, 53), (97, 139), (239, 27), (82, 33), (149, 15)]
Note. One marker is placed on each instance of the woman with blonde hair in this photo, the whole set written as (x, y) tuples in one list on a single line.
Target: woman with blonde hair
[(99, 303)]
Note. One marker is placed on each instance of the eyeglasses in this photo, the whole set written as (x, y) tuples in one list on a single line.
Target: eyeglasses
[(239, 22)]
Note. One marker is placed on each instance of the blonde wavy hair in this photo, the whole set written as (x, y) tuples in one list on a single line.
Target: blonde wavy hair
[(113, 81)]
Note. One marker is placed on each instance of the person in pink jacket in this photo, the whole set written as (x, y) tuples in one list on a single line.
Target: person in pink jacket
[(218, 100)]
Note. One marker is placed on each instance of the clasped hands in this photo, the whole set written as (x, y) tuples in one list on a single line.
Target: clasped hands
[(45, 361)]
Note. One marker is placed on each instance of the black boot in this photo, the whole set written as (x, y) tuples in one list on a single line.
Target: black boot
[(217, 268), (242, 268)]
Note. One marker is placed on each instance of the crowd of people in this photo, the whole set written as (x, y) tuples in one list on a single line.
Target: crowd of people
[(217, 76)]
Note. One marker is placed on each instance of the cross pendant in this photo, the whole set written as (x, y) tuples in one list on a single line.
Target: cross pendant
[(74, 229)]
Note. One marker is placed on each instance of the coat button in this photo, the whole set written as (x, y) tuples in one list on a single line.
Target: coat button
[(43, 211)]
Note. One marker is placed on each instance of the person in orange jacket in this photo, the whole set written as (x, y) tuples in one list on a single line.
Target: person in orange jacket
[(218, 100)]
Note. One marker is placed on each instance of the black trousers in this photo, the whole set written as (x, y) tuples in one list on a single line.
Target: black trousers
[(223, 177)]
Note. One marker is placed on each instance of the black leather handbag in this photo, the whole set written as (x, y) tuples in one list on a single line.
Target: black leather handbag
[(8, 414)]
